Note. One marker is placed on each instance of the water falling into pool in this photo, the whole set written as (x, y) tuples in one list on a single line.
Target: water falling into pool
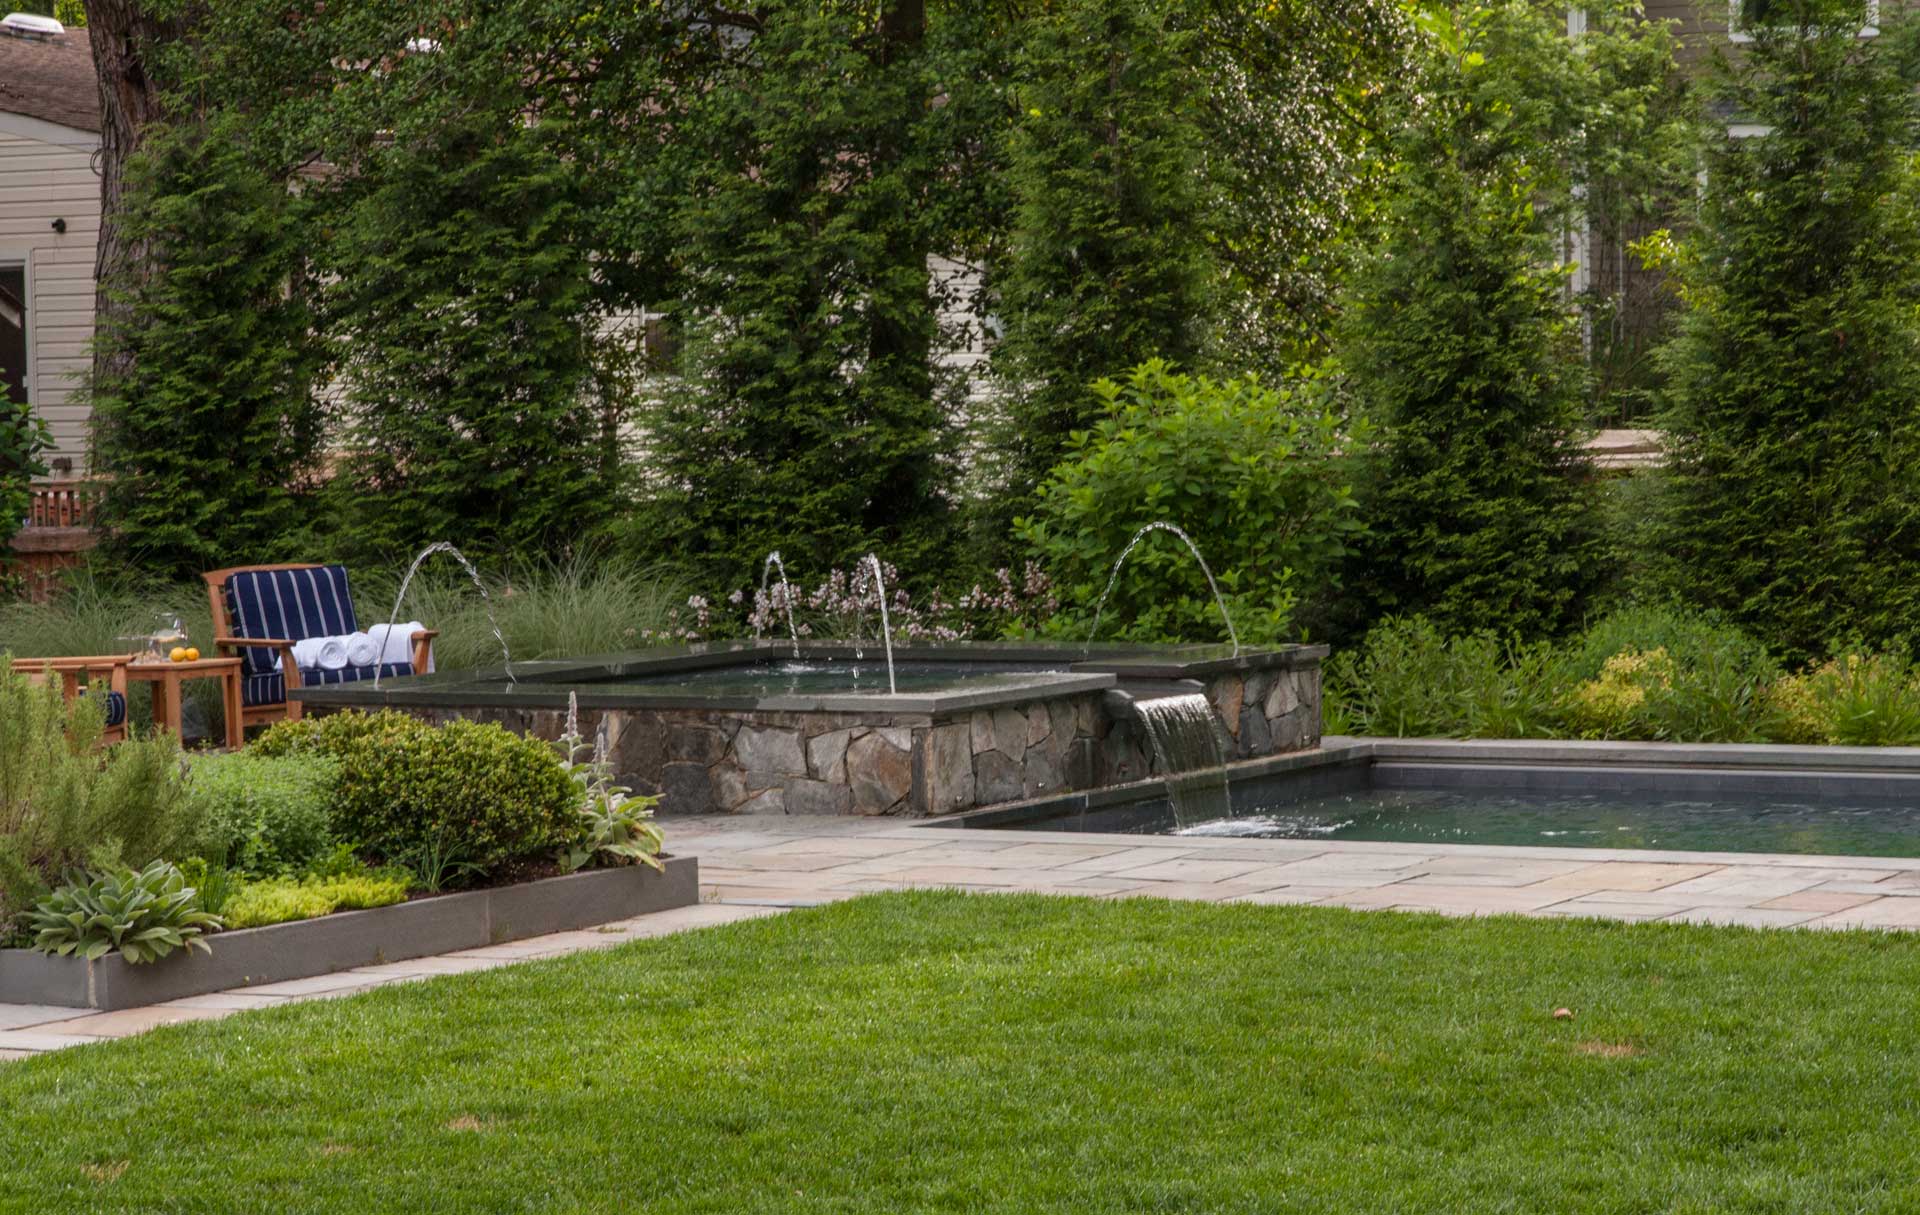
[(441, 546), (1186, 745)]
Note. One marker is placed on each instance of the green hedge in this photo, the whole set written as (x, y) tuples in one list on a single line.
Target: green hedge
[(434, 797)]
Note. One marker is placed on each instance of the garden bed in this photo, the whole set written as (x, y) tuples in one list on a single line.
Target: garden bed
[(303, 948)]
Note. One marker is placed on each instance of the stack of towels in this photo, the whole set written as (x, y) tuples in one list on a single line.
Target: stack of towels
[(380, 644)]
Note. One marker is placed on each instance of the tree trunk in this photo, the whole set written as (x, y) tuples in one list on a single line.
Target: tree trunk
[(123, 37), (903, 27)]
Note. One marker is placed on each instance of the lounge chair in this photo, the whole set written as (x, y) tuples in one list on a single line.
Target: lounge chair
[(260, 611)]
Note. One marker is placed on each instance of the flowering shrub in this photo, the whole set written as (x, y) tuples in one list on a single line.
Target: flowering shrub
[(845, 605), (1613, 703)]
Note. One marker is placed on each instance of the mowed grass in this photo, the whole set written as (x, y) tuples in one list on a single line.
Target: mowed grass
[(983, 1053)]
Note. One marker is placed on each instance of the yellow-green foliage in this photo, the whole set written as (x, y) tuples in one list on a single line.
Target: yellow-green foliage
[(1612, 704), (1869, 700), (1801, 717), (278, 900)]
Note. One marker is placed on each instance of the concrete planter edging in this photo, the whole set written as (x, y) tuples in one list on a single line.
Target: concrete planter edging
[(347, 939)]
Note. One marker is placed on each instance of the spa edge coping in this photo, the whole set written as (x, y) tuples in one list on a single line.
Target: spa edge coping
[(545, 684)]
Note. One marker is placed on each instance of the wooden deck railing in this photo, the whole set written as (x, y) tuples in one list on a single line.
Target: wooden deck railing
[(59, 531), (61, 504)]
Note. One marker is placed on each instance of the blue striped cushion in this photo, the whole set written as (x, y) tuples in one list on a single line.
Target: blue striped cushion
[(272, 689), (116, 707), (288, 605)]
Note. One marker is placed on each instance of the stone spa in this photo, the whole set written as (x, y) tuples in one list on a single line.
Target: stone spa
[(775, 728)]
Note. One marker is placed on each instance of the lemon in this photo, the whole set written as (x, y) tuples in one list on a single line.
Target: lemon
[(193, 654), (177, 654)]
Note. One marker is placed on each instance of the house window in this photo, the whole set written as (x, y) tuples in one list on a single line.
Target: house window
[(1745, 16), (13, 331)]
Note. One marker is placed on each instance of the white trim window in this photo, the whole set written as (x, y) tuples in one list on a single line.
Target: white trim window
[(1744, 15), (16, 346)]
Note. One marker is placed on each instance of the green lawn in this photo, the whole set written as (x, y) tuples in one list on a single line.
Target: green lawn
[(1004, 1054)]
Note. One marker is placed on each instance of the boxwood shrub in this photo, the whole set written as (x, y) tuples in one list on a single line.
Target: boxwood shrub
[(409, 792)]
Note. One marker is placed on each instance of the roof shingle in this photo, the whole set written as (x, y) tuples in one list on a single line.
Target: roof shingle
[(50, 79)]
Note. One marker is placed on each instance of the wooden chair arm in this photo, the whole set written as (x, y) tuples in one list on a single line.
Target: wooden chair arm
[(240, 643), (288, 666), (423, 649)]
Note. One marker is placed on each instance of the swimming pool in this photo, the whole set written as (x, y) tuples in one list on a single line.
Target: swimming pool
[(1783, 800), (1569, 820)]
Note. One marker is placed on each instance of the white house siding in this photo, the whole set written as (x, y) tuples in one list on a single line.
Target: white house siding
[(46, 173)]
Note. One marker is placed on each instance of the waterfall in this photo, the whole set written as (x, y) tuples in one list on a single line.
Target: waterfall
[(1186, 745)]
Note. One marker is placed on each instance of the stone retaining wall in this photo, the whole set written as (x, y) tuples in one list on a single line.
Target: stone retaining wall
[(766, 762)]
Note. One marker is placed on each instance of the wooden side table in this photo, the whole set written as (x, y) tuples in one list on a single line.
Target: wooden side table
[(166, 678)]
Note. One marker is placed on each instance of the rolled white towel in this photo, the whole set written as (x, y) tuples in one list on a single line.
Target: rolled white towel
[(327, 653), (395, 641), (362, 650)]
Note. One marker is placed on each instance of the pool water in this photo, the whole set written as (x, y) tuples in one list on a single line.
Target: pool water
[(1454, 816), (798, 678)]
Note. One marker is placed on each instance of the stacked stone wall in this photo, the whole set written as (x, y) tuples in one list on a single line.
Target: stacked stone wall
[(764, 762)]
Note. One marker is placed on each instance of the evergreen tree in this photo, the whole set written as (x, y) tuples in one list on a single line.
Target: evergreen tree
[(1107, 262), (1461, 341), (1791, 498), (807, 416), (458, 298), (205, 420)]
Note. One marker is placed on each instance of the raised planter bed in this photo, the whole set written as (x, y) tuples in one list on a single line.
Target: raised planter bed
[(346, 939)]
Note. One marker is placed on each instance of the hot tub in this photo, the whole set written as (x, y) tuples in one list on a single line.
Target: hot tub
[(770, 728)]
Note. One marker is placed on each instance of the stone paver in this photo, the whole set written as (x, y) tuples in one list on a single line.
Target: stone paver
[(20, 1016), (33, 1040), (1627, 875), (133, 1020), (235, 1000), (1187, 869), (1632, 913), (1744, 917), (1823, 901), (313, 986), (1881, 913), (767, 865)]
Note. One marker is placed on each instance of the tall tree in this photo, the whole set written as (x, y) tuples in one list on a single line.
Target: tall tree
[(1461, 339), (1185, 181), (1790, 497), (205, 419), (458, 299), (128, 39), (1107, 262), (807, 416)]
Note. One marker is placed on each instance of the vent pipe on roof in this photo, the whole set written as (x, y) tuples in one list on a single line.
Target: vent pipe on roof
[(31, 25)]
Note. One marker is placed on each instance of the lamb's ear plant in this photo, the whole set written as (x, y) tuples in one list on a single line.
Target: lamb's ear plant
[(146, 915), (614, 820)]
